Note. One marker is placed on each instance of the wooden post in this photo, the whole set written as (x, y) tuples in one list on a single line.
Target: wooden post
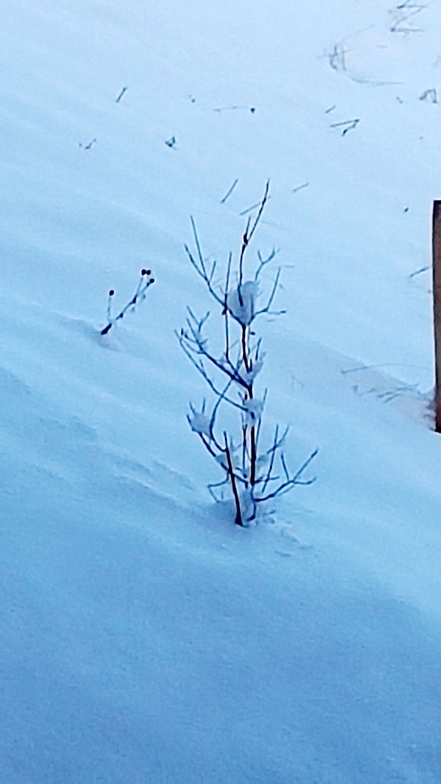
[(436, 250)]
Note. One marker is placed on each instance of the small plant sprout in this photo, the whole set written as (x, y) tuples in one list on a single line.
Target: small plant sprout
[(230, 428), (145, 281)]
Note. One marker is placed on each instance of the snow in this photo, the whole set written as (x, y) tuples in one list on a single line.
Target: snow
[(242, 300), (249, 376), (253, 409), (200, 423), (145, 637)]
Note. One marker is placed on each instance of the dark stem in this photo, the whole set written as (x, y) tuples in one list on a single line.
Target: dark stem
[(245, 348), (253, 456), (238, 520)]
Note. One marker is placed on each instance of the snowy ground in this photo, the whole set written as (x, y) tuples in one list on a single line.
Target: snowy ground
[(145, 637)]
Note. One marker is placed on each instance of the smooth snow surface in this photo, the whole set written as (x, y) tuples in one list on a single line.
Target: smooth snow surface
[(145, 637)]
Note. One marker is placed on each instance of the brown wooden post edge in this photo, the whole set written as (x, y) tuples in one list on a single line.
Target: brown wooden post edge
[(436, 255)]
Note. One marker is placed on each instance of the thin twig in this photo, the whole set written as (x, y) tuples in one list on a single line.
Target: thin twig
[(300, 187), (295, 480), (144, 282), (418, 272), (266, 309), (124, 90), (229, 192)]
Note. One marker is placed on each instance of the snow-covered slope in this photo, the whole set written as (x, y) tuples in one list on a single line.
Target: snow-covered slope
[(145, 637)]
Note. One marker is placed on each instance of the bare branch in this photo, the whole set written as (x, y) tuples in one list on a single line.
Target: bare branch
[(220, 399), (264, 262), (305, 184), (217, 484), (245, 241), (259, 424), (249, 231), (225, 310), (272, 452), (197, 344), (144, 283), (295, 480), (197, 243), (278, 442), (229, 192), (259, 214), (266, 309), (200, 267), (282, 460), (239, 520), (259, 477), (200, 367)]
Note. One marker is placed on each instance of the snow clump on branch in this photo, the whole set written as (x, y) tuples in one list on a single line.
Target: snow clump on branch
[(241, 302)]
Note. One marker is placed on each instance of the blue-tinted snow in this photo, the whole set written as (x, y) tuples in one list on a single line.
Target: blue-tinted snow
[(145, 637)]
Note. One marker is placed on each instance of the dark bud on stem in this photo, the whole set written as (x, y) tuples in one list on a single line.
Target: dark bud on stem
[(111, 293)]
